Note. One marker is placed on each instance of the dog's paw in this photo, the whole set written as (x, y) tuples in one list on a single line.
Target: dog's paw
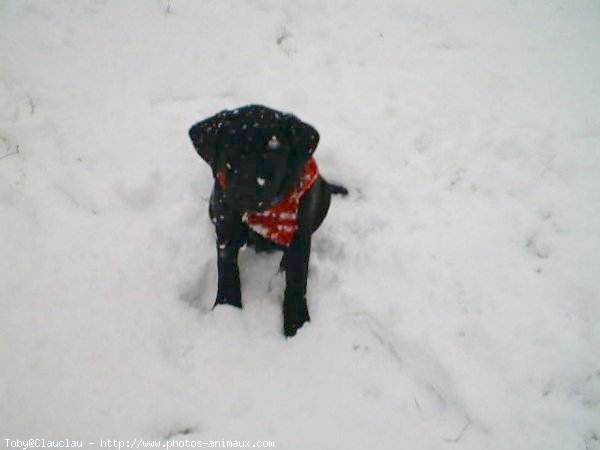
[(226, 302), (293, 319), (228, 299)]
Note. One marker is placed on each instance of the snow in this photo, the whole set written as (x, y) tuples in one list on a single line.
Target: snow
[(273, 143), (454, 295)]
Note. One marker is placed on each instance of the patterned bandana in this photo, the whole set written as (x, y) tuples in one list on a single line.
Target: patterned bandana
[(280, 222)]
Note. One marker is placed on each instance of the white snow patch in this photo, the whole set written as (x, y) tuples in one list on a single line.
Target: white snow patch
[(274, 143)]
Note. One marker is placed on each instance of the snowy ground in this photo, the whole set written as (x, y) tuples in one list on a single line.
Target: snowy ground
[(454, 294)]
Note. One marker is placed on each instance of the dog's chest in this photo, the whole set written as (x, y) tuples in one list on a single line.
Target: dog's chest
[(279, 223)]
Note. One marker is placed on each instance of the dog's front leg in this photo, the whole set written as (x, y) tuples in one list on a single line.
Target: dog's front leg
[(230, 237), (228, 290), (295, 310)]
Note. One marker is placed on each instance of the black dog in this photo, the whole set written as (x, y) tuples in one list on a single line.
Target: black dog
[(267, 193)]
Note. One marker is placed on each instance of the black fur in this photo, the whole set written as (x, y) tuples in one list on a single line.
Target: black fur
[(258, 143)]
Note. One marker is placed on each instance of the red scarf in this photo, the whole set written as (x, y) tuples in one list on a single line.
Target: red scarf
[(280, 222)]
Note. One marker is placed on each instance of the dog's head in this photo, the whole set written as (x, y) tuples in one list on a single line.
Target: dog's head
[(257, 154)]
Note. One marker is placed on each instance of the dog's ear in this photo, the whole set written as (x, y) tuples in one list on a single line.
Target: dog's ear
[(205, 134), (302, 137)]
